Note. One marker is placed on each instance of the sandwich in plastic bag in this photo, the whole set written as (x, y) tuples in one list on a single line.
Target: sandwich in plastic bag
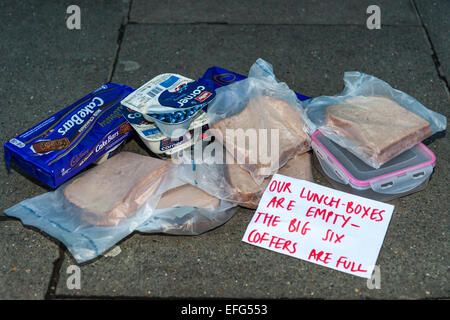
[(371, 119), (100, 207), (218, 174), (259, 121), (188, 210)]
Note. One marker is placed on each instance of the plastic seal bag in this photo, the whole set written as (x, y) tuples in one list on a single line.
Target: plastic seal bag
[(93, 212), (188, 220), (371, 119), (187, 210), (218, 174), (156, 202), (259, 120), (207, 172)]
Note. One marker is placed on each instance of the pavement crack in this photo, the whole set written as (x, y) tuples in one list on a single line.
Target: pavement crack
[(434, 55), (120, 36), (57, 264)]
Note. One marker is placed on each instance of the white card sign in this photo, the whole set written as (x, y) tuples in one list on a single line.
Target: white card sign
[(320, 225)]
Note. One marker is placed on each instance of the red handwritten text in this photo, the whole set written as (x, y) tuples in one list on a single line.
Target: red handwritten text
[(320, 256), (269, 219), (273, 241), (279, 186), (294, 226), (349, 265), (319, 199), (276, 203), (373, 213), (327, 215), (332, 236)]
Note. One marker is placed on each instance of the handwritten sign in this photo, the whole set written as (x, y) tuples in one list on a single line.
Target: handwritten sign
[(320, 225)]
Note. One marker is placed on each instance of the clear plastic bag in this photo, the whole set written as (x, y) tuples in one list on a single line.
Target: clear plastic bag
[(371, 119), (87, 238), (187, 210), (206, 171), (217, 174), (188, 220), (260, 122), (93, 211)]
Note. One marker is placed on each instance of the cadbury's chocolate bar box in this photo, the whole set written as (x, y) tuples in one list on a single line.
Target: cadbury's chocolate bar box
[(62, 145)]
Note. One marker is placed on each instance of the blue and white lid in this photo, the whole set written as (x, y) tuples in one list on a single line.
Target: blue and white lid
[(169, 93)]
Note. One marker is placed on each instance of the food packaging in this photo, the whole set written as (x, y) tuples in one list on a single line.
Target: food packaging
[(108, 202), (171, 101), (263, 111), (64, 144), (157, 142), (407, 173), (371, 119), (217, 77)]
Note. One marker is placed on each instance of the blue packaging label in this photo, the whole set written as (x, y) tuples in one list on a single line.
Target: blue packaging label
[(134, 117), (169, 82), (169, 93), (62, 145), (187, 95)]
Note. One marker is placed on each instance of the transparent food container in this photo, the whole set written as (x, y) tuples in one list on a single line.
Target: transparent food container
[(407, 173)]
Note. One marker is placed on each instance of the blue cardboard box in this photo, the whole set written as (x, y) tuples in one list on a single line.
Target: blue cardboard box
[(218, 77), (62, 145)]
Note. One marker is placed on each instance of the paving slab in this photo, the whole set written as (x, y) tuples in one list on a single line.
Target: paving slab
[(434, 15), (45, 67), (311, 59), (26, 262), (271, 12)]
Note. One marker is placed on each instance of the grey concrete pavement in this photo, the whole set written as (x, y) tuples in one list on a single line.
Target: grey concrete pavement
[(433, 15), (270, 12), (27, 261), (311, 44)]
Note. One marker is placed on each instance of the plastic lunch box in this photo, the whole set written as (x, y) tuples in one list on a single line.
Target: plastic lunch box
[(407, 173)]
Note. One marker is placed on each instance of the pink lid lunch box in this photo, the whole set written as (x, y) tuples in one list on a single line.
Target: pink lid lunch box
[(407, 173)]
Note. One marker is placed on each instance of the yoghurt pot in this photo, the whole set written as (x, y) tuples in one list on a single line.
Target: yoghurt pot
[(173, 126), (171, 101), (160, 144)]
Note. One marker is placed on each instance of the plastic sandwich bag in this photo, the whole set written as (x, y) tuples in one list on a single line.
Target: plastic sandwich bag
[(260, 122), (188, 209), (207, 170), (87, 236), (188, 220), (93, 211), (371, 119), (211, 168)]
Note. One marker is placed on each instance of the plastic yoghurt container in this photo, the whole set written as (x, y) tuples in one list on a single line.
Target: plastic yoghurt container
[(160, 144), (407, 173), (171, 101)]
